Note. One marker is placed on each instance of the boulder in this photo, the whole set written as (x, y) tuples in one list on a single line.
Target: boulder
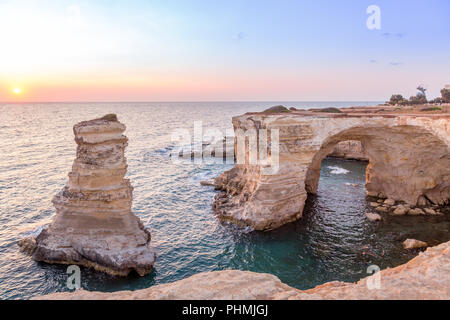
[(381, 209), (209, 182), (373, 216), (389, 202), (415, 212), (414, 244), (400, 210), (421, 201)]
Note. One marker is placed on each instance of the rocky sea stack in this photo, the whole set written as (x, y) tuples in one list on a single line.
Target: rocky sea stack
[(94, 225)]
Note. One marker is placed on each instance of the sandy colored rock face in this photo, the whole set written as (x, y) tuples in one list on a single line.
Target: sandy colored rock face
[(400, 210), (94, 225), (350, 150), (409, 161), (414, 244), (373, 216), (415, 212), (424, 277)]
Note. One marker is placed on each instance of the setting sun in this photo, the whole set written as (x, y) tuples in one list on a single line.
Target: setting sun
[(16, 90)]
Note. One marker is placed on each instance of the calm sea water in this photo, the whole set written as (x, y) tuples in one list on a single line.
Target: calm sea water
[(333, 241)]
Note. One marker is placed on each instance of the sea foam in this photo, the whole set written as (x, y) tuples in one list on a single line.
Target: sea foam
[(338, 170)]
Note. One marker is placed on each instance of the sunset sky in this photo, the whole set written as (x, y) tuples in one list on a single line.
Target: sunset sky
[(221, 50)]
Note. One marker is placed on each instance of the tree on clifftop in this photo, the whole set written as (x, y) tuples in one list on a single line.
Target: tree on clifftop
[(422, 91), (396, 99), (418, 99), (445, 95)]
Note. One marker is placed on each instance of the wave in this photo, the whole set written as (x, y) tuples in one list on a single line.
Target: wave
[(338, 170)]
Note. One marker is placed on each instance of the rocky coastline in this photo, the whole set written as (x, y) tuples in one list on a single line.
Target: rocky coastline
[(95, 227), (423, 277), (409, 163)]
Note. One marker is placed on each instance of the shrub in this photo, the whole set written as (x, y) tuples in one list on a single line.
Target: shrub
[(330, 110), (431, 109), (396, 99), (445, 95), (418, 99), (276, 109), (437, 101), (109, 117)]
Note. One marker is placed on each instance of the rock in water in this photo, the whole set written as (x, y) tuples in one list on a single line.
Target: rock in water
[(414, 244), (94, 225), (381, 209), (429, 211), (209, 182), (373, 216), (400, 210), (415, 212)]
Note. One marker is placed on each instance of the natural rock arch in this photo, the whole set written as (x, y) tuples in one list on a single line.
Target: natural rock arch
[(409, 160), (407, 163)]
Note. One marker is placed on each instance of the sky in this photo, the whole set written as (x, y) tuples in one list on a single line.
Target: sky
[(246, 50)]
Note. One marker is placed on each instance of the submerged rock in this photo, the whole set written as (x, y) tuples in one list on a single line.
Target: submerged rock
[(414, 244), (94, 225)]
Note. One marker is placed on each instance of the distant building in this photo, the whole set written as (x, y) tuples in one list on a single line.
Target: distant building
[(447, 86)]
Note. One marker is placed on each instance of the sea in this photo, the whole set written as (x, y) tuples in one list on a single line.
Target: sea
[(332, 241)]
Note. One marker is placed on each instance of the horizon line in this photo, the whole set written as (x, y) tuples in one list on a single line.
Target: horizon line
[(187, 101)]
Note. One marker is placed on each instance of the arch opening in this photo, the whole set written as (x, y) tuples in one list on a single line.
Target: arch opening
[(406, 163)]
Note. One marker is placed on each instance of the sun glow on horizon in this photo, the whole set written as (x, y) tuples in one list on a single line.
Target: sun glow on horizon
[(17, 90)]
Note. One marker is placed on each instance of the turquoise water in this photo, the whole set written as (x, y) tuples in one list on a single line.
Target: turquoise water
[(333, 240)]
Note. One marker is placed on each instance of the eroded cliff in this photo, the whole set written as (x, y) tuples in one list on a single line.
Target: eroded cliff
[(94, 225), (409, 162)]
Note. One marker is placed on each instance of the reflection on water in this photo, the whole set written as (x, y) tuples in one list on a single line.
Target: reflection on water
[(333, 240)]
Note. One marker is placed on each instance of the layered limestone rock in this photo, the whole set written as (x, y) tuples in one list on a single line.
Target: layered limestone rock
[(94, 225), (350, 150), (424, 277), (409, 161)]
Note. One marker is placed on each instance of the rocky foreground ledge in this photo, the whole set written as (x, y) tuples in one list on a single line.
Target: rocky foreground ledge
[(424, 277), (94, 225)]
